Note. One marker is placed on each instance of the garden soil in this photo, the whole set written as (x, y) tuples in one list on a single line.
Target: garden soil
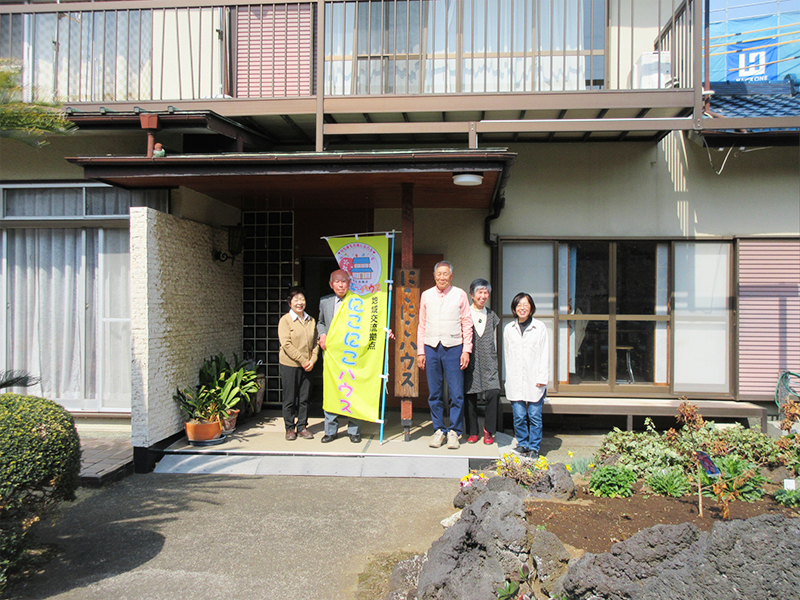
[(594, 524)]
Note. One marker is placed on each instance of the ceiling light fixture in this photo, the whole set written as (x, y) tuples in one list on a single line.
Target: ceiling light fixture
[(468, 179)]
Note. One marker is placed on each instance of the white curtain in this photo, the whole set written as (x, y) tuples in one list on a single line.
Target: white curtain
[(69, 314), (45, 333)]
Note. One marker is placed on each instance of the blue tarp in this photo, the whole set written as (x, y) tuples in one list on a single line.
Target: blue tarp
[(756, 49)]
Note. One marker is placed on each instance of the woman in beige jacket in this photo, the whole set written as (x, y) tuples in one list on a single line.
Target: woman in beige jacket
[(297, 332)]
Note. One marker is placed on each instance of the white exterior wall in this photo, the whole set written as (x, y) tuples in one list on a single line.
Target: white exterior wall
[(184, 307), (642, 190), (22, 162), (455, 233)]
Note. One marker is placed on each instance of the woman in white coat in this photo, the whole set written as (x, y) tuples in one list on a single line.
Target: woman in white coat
[(526, 356)]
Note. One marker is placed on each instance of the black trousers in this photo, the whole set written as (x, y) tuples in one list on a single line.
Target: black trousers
[(471, 413), (296, 393)]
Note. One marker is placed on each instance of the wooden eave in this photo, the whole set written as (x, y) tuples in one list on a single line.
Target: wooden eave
[(643, 115), (309, 180)]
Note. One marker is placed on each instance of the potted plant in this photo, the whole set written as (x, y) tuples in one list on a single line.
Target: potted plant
[(202, 417), (233, 389), (227, 389)]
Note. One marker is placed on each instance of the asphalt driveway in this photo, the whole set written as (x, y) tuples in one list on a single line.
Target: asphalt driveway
[(198, 537)]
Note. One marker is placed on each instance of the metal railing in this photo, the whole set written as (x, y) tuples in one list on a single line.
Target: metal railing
[(131, 51)]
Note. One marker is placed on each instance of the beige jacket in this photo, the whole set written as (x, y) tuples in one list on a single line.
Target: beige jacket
[(298, 340)]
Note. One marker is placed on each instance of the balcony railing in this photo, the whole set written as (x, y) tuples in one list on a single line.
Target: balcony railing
[(165, 51)]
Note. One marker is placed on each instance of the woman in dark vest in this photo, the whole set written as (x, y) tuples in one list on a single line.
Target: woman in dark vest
[(481, 376)]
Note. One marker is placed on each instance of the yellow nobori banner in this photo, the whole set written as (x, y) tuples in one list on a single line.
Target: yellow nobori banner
[(356, 341)]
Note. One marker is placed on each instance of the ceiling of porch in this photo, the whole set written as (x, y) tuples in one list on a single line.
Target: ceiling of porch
[(316, 180)]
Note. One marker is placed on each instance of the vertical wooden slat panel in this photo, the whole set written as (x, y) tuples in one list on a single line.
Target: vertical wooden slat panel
[(769, 314), (274, 51)]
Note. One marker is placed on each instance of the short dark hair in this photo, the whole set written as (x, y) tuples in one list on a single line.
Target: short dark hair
[(294, 291), (517, 300)]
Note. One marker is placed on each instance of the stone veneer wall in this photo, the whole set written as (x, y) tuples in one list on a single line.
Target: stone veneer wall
[(184, 307)]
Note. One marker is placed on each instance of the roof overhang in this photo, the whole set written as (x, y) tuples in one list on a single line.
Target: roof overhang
[(316, 179)]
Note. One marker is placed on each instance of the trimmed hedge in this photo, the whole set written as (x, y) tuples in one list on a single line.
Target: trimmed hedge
[(40, 463)]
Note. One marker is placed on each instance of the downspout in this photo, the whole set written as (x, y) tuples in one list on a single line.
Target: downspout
[(498, 203)]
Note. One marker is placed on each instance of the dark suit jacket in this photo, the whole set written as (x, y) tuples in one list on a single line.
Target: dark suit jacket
[(327, 305)]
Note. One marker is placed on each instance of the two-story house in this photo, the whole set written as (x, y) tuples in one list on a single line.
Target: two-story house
[(655, 223)]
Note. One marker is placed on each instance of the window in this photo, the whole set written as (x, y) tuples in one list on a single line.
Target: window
[(66, 291), (455, 46), (615, 332)]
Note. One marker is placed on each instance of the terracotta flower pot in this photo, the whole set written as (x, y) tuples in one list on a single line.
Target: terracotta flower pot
[(229, 422), (201, 431)]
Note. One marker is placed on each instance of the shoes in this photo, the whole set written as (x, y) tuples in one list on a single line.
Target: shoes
[(437, 440), (291, 435), (356, 438), (488, 438), (452, 440), (305, 434), (329, 438), (473, 439), (521, 451)]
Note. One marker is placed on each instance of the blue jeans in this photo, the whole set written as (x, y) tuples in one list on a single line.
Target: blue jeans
[(528, 424), (445, 363)]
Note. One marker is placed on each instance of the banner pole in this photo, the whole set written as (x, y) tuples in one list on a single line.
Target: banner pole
[(386, 345)]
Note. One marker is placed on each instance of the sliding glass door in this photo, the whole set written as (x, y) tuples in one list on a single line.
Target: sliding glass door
[(612, 314), (641, 318)]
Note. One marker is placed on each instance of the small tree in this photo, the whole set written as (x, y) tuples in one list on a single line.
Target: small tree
[(28, 122)]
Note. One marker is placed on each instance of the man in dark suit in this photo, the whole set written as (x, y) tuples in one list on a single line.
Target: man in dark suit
[(328, 307)]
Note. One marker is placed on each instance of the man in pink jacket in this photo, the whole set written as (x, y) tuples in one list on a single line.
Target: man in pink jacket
[(444, 343)]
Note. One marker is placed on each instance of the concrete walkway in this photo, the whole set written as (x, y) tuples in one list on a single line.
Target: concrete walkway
[(258, 447)]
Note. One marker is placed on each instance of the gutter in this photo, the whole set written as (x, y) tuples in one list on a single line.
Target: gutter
[(498, 203)]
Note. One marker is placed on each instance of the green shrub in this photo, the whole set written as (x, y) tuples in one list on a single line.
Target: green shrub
[(641, 451), (670, 481), (612, 481), (739, 480), (788, 497), (40, 461), (648, 450)]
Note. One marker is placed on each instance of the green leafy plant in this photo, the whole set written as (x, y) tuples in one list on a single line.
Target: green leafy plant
[(236, 384), (646, 451), (788, 497), (581, 465), (738, 480), (221, 388), (612, 481), (669, 481), (40, 461), (510, 590)]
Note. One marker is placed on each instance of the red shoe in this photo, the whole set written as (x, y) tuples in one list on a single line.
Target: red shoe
[(488, 438), (473, 439)]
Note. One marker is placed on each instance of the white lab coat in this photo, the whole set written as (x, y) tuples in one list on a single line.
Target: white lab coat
[(526, 358)]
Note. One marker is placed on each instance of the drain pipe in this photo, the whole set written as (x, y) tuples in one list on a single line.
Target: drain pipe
[(498, 203)]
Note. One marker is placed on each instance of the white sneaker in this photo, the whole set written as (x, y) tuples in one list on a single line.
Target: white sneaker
[(452, 441), (437, 440)]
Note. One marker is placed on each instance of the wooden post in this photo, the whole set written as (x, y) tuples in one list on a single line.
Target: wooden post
[(407, 308), (406, 373)]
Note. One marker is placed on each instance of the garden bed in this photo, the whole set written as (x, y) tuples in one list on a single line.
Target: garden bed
[(594, 524)]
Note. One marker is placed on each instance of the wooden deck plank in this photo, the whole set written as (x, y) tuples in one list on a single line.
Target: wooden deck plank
[(650, 407)]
